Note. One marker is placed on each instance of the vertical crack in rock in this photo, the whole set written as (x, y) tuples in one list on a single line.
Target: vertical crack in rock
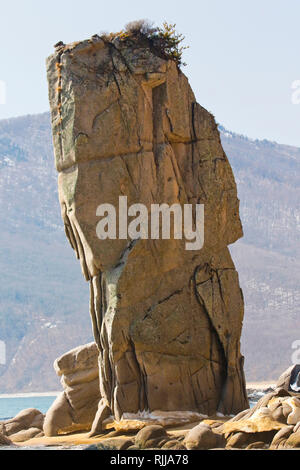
[(59, 102), (167, 321), (111, 302), (214, 332), (143, 399), (213, 289), (96, 306), (93, 314), (68, 230), (158, 99), (82, 257)]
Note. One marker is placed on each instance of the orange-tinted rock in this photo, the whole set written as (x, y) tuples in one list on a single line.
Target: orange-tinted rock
[(167, 321), (75, 408), (274, 420)]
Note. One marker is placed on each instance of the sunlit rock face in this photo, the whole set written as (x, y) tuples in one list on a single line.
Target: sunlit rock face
[(167, 320), (75, 408)]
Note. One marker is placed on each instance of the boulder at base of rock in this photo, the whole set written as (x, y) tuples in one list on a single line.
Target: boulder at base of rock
[(173, 444), (287, 438), (275, 420), (259, 422), (203, 437), (26, 435), (4, 441), (115, 443), (243, 440), (23, 421), (75, 408), (150, 436), (256, 445), (293, 442), (281, 437)]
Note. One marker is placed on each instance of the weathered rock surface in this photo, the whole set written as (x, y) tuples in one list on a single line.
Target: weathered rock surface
[(274, 421), (151, 436), (293, 442), (25, 425), (136, 422), (4, 441), (115, 443), (281, 436), (173, 444), (202, 437), (167, 321), (75, 408), (27, 434)]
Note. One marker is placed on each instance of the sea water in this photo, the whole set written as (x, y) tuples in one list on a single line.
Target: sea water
[(11, 406)]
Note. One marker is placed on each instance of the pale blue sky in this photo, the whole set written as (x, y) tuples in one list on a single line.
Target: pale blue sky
[(243, 56)]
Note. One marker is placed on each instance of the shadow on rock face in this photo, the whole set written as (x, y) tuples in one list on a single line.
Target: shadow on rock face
[(294, 385), (290, 379)]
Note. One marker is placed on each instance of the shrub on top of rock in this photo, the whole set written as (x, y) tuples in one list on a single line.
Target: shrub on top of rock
[(165, 40)]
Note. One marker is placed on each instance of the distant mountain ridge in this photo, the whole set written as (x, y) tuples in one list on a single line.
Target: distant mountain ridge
[(42, 289)]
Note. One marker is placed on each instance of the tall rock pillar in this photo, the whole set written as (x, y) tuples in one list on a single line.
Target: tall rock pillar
[(167, 320)]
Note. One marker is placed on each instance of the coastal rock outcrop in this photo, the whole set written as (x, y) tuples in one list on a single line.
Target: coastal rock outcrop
[(167, 321), (75, 408), (273, 422), (24, 426)]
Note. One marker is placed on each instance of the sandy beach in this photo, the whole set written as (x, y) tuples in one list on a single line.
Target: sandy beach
[(83, 439)]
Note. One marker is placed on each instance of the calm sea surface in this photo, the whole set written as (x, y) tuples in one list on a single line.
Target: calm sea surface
[(10, 407)]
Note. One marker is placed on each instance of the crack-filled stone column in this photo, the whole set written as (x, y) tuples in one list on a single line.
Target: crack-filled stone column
[(167, 320)]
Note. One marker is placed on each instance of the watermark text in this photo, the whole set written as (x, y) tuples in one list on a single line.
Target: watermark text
[(2, 353), (296, 353), (188, 222), (2, 92)]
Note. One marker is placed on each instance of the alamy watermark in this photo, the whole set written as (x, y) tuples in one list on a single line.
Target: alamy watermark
[(2, 353), (296, 353), (295, 98), (187, 223), (2, 92)]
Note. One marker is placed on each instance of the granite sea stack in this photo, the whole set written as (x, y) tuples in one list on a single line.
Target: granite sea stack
[(167, 321)]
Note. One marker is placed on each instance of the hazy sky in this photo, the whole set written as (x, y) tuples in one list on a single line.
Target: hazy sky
[(242, 61)]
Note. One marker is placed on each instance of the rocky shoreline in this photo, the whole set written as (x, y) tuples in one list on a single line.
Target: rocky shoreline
[(272, 423)]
